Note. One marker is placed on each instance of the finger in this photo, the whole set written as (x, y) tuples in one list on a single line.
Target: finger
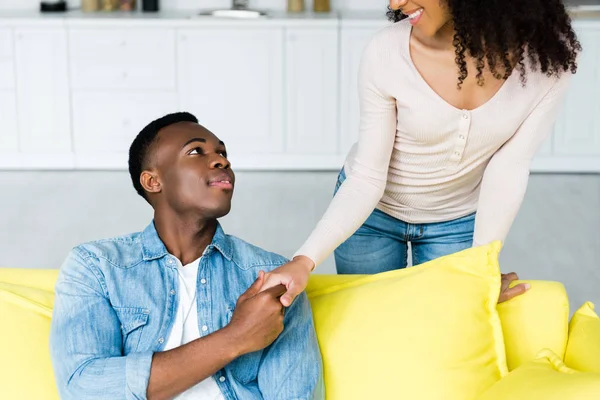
[(514, 291), (275, 291), (512, 276), (288, 298), (271, 280), (255, 287)]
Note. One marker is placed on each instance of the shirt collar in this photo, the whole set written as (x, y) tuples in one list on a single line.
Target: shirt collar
[(153, 248)]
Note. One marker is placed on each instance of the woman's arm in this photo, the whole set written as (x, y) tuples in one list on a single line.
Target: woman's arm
[(506, 176), (365, 183)]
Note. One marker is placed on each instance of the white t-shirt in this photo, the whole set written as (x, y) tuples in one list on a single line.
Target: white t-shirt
[(185, 329)]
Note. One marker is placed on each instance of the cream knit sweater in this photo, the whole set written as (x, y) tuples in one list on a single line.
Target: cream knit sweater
[(421, 160)]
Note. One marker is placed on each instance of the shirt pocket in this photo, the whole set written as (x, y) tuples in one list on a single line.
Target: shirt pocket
[(133, 320), (244, 368)]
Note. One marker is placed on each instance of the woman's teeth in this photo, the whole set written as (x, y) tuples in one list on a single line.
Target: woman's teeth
[(416, 14)]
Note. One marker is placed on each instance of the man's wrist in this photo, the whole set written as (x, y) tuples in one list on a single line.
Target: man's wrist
[(234, 342), (305, 262)]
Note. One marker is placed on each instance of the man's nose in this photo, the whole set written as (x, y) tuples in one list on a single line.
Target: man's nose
[(219, 162)]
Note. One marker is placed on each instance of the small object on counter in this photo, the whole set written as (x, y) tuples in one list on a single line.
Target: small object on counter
[(295, 6), (150, 5), (53, 6), (322, 6), (90, 5), (109, 5), (127, 5)]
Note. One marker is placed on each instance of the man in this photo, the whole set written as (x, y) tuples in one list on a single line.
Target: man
[(175, 310)]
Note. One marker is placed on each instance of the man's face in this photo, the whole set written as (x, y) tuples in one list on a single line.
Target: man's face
[(193, 171)]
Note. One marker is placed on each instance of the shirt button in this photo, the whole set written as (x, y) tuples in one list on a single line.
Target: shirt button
[(170, 261), (172, 292), (203, 281), (465, 116), (456, 153), (461, 137), (161, 340), (222, 379), (204, 328)]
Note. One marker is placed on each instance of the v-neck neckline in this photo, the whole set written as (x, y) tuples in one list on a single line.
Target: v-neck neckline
[(428, 87)]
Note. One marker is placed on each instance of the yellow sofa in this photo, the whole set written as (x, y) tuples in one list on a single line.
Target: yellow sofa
[(533, 323)]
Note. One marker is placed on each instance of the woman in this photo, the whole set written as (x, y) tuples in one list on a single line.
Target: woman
[(455, 99)]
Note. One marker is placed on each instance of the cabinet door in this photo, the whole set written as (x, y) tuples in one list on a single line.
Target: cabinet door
[(9, 139), (577, 129), (7, 72), (353, 43), (42, 91), (311, 90), (137, 58), (107, 122), (231, 79)]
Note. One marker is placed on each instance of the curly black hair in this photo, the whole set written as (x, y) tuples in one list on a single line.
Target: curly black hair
[(141, 145), (537, 31)]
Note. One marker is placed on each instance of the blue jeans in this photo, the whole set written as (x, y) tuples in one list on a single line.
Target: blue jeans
[(381, 243)]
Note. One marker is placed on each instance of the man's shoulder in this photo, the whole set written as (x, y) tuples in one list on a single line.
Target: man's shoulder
[(247, 255), (120, 251)]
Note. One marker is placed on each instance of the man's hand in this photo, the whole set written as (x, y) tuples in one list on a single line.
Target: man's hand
[(293, 276), (258, 317), (506, 292)]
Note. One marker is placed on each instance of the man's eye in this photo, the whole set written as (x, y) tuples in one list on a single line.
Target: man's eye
[(223, 153), (196, 150)]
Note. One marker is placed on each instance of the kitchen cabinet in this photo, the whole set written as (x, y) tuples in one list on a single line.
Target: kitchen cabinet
[(353, 41), (577, 130), (43, 95), (281, 92), (105, 123), (135, 58), (9, 139), (232, 80), (311, 91)]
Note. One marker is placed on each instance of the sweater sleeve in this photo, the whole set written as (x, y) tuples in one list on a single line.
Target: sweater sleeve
[(365, 183), (505, 179)]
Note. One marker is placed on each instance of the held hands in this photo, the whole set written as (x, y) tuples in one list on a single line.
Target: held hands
[(506, 292), (293, 276), (258, 317)]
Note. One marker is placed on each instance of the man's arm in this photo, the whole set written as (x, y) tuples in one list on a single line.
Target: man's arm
[(87, 351), (291, 368)]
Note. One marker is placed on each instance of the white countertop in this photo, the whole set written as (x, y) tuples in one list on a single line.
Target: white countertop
[(192, 18)]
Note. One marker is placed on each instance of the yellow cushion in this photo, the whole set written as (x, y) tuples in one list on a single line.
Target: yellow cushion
[(546, 378), (34, 278), (583, 348), (535, 321), (430, 332), (25, 369)]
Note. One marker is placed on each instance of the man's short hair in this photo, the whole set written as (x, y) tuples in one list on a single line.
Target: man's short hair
[(140, 148)]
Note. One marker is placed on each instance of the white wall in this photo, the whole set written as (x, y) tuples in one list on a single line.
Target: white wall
[(198, 4)]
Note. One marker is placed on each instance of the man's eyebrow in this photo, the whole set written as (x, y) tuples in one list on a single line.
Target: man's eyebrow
[(192, 140)]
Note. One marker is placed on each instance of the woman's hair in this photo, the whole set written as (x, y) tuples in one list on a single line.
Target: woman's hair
[(509, 34)]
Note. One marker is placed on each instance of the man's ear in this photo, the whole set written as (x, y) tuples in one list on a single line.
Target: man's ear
[(150, 181)]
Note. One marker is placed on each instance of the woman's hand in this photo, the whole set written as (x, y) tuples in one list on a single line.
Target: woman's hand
[(506, 292), (293, 275)]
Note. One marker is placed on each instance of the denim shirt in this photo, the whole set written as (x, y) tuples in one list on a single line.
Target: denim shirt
[(115, 305)]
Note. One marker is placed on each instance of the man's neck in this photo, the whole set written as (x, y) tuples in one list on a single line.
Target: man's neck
[(184, 238)]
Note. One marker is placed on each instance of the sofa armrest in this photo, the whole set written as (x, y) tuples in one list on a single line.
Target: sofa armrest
[(536, 320)]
